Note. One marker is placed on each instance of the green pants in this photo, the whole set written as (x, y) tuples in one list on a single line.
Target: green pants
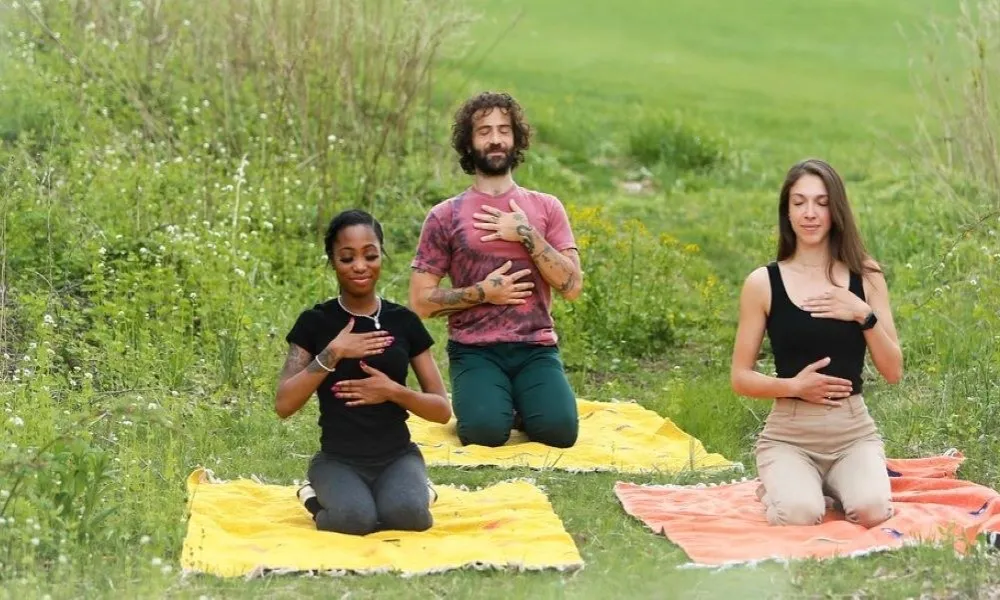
[(488, 383)]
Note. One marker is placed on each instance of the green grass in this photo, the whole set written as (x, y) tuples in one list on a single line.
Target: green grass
[(184, 350)]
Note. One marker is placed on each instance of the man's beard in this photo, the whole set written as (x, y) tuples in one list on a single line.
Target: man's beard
[(492, 166)]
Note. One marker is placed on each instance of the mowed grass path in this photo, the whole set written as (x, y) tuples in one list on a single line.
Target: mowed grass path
[(785, 77)]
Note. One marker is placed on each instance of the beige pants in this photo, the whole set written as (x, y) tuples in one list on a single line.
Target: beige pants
[(808, 453)]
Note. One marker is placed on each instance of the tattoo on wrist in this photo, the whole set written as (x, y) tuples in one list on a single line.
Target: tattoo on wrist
[(480, 293), (525, 231), (326, 357)]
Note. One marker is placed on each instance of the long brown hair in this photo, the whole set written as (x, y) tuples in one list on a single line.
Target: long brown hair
[(845, 240)]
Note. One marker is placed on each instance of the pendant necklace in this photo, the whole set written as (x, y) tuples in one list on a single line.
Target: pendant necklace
[(374, 317)]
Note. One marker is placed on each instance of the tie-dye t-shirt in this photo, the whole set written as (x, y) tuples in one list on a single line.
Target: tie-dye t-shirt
[(451, 246)]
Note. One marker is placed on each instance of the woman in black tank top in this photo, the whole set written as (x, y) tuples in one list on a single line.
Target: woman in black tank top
[(823, 304)]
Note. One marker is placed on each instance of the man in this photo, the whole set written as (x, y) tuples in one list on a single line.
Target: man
[(504, 248)]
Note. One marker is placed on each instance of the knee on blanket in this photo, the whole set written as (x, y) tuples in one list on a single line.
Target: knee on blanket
[(348, 520), (558, 432), (869, 512), (405, 514), (800, 511), (484, 433)]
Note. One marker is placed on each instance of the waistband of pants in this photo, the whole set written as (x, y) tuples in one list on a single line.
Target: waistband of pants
[(792, 406)]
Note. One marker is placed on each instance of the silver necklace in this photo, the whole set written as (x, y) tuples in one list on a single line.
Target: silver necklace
[(374, 317)]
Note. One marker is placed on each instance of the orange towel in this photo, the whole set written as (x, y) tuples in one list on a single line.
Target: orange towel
[(724, 524)]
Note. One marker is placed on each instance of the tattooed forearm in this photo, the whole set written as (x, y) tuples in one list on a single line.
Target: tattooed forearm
[(560, 271), (570, 283), (446, 297), (456, 299), (296, 360), (525, 231), (326, 357)]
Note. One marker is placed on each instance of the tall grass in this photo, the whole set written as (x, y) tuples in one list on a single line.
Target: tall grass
[(168, 169)]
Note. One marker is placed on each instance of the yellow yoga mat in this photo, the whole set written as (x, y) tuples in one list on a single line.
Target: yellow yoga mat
[(614, 436), (247, 528)]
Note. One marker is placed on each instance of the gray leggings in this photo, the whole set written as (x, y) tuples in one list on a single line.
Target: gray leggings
[(359, 499)]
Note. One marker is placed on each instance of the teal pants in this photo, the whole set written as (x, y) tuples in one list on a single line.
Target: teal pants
[(488, 383)]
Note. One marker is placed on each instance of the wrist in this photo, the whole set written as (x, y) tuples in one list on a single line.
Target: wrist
[(861, 315), (399, 394), (330, 356), (477, 293), (792, 388), (526, 235)]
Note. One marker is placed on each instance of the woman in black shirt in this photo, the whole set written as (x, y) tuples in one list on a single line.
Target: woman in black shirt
[(823, 304), (354, 352)]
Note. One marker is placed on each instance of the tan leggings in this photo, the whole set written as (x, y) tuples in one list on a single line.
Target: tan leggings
[(808, 452)]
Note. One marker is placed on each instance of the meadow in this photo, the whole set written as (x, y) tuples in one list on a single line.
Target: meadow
[(167, 171)]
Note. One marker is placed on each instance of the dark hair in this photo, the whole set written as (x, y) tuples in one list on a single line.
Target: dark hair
[(461, 131), (845, 240), (349, 218)]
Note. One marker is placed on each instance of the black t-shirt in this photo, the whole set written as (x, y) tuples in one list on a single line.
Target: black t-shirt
[(371, 431)]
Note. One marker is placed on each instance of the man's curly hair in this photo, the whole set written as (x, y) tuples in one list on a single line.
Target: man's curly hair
[(461, 132)]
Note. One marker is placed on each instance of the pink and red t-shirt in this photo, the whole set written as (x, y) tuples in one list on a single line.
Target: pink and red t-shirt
[(451, 246)]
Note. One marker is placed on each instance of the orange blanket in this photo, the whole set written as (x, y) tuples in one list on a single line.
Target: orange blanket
[(724, 524)]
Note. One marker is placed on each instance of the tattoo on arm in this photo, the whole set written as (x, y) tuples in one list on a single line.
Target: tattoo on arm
[(446, 297), (326, 357), (525, 232), (570, 282), (456, 299), (296, 360)]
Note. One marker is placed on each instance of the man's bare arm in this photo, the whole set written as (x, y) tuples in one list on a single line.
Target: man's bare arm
[(429, 300), (560, 269)]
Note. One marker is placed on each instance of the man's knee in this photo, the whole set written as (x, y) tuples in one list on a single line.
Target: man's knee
[(493, 433), (799, 510), (558, 431), (351, 520), (407, 513)]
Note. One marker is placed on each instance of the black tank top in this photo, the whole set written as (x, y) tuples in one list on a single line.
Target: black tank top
[(798, 338)]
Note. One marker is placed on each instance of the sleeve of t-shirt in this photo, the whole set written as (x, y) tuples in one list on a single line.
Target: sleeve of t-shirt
[(433, 250), (303, 331), (559, 232), (420, 338)]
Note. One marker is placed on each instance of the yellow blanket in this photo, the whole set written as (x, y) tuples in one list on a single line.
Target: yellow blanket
[(613, 436), (246, 528)]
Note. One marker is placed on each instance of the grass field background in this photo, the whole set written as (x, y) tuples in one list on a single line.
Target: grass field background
[(145, 288)]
